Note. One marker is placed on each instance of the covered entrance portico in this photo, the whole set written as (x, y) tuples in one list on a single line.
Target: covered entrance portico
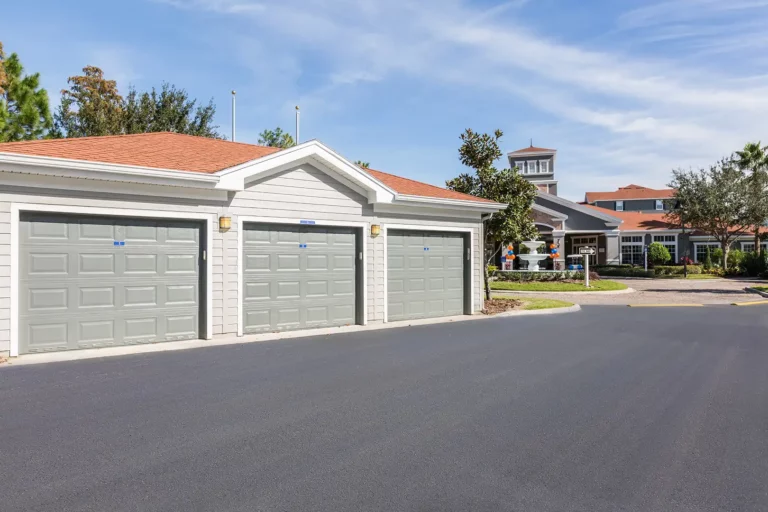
[(605, 244)]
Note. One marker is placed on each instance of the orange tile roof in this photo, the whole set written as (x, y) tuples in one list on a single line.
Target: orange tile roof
[(174, 151), (532, 149), (162, 150), (630, 192), (417, 188), (637, 221)]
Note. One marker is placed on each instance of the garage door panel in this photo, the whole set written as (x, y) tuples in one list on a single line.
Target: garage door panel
[(305, 277), (431, 283), (111, 281)]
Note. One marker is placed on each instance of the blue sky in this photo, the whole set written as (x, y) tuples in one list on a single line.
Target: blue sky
[(626, 90)]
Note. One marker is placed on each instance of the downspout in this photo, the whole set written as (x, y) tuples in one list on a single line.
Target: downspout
[(486, 281)]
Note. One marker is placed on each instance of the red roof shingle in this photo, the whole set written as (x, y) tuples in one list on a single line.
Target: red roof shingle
[(532, 149), (188, 153), (630, 192), (162, 150), (637, 221)]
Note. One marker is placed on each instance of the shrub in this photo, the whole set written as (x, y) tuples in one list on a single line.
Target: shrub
[(717, 257), (658, 254), (561, 275), (708, 260), (754, 264), (686, 260), (676, 270), (622, 271), (492, 269), (735, 258)]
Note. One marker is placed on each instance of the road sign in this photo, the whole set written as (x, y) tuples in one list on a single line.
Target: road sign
[(587, 250)]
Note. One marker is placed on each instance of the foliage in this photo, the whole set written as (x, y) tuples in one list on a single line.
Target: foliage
[(492, 268), (93, 106), (676, 270), (276, 138), (24, 110), (686, 260), (735, 259), (513, 224), (717, 257), (169, 110), (753, 160), (364, 165), (623, 271), (755, 264), (658, 254), (708, 259), (555, 286), (714, 200), (547, 275)]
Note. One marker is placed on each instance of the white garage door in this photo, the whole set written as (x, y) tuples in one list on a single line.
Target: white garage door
[(425, 274), (89, 282)]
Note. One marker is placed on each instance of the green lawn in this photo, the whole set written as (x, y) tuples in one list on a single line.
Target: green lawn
[(760, 288), (555, 286), (532, 303)]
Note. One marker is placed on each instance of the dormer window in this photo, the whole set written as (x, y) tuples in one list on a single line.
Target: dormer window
[(521, 167), (619, 206), (659, 205), (543, 166)]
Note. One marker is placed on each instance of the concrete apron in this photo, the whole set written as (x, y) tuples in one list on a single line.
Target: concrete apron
[(167, 346)]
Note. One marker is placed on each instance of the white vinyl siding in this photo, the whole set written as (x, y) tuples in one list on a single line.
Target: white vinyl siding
[(303, 192)]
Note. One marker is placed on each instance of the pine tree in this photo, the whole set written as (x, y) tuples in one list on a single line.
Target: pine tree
[(24, 110), (92, 106)]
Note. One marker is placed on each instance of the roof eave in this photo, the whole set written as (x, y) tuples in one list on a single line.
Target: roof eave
[(481, 206), (51, 166)]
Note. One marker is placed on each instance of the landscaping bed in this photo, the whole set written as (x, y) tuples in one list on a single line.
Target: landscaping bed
[(557, 286), (501, 305)]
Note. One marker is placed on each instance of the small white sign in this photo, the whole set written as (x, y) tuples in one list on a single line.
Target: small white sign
[(587, 250)]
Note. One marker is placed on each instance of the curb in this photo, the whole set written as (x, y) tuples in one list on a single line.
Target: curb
[(601, 292), (172, 346), (666, 305), (754, 290), (550, 311)]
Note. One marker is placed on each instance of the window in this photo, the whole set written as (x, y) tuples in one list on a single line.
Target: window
[(543, 166), (750, 246), (659, 204), (520, 167), (670, 242), (632, 250), (619, 206), (701, 250), (532, 167)]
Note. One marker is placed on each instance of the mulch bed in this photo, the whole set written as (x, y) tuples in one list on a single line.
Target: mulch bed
[(496, 306)]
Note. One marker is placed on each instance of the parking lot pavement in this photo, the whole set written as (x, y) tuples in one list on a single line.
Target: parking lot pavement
[(667, 291)]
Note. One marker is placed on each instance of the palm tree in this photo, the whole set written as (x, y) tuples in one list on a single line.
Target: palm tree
[(754, 159)]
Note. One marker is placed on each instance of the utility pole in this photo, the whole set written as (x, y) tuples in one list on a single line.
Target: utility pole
[(298, 113), (234, 93)]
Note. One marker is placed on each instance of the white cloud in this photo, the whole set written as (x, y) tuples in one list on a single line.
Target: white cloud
[(645, 114)]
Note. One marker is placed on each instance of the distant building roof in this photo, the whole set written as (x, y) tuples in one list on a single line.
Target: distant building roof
[(630, 192), (532, 149), (638, 221)]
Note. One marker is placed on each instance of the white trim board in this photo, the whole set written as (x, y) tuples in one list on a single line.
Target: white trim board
[(242, 219), (17, 208), (436, 229)]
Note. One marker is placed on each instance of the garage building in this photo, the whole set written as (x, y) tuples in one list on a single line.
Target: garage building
[(119, 240)]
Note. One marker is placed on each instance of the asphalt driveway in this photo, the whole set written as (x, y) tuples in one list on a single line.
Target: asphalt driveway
[(609, 409)]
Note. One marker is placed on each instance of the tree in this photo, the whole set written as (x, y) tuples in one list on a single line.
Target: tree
[(658, 254), (715, 201), (515, 223), (753, 159), (91, 106), (169, 110), (24, 110), (276, 138), (362, 164)]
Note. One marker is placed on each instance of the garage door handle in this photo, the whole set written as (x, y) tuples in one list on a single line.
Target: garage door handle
[(469, 254), (203, 255)]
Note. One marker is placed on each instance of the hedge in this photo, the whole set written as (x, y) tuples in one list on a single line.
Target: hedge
[(676, 270), (561, 275), (622, 271)]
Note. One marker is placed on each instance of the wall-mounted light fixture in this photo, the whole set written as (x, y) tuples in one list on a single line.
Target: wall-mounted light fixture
[(225, 223), (375, 230)]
